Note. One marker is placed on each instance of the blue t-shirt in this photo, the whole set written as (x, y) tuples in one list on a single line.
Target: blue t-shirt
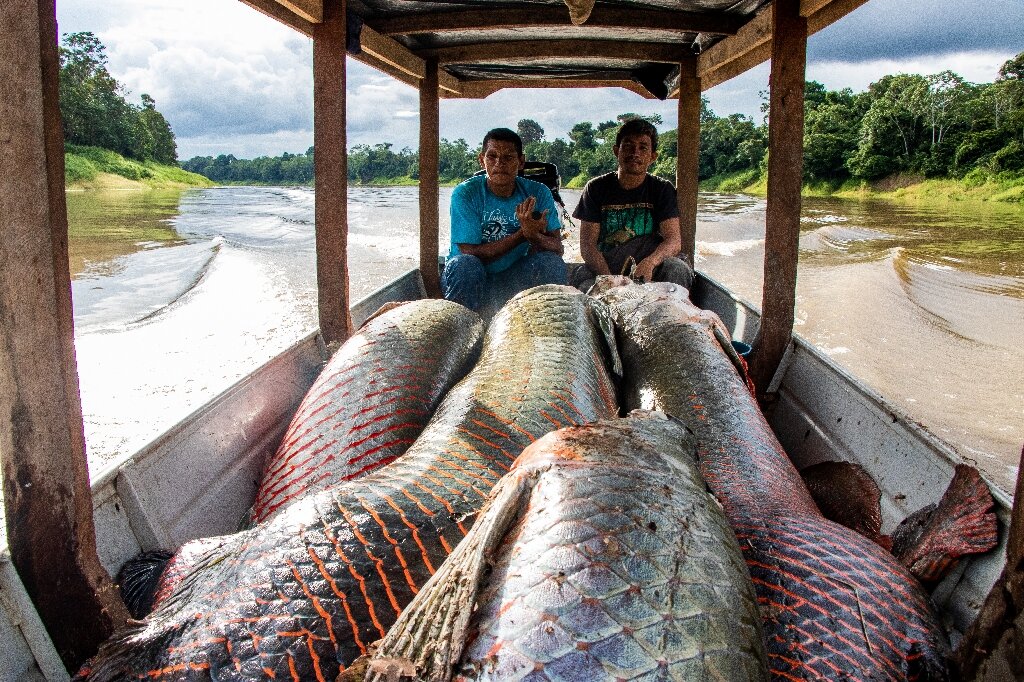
[(479, 216)]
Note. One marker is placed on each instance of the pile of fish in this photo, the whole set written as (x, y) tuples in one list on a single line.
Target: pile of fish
[(302, 595), (600, 556), (834, 604), (676, 543)]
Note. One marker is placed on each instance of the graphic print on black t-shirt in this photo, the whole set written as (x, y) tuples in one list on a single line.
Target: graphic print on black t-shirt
[(621, 223)]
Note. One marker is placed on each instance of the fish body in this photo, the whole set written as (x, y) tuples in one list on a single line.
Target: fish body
[(372, 400), (835, 605), (600, 556), (304, 594)]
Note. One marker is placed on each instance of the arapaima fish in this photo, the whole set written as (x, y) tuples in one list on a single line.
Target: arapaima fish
[(370, 402), (372, 399), (600, 556), (304, 594), (835, 605)]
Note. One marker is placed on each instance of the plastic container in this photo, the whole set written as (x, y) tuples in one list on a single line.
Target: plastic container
[(742, 349)]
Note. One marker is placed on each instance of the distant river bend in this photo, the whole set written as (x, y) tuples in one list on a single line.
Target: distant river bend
[(178, 294)]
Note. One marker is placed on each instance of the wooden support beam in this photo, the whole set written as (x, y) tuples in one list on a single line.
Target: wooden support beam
[(732, 56), (310, 10), (47, 499), (687, 156), (398, 61), (330, 160), (430, 140), (279, 12), (479, 89), (530, 50), (752, 43), (823, 13), (785, 177), (993, 646), (601, 17)]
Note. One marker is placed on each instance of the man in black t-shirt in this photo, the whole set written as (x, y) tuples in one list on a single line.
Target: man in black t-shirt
[(631, 213)]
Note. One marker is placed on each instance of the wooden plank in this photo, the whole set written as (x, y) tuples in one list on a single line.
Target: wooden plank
[(994, 643), (785, 177), (478, 89), (580, 50), (751, 45), (687, 157), (398, 61), (430, 140), (823, 13), (732, 56), (286, 16), (50, 530), (600, 17), (330, 162), (310, 10)]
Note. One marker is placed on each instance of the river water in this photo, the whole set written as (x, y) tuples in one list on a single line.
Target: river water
[(178, 294)]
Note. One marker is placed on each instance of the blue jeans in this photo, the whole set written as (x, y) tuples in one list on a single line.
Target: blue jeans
[(466, 281)]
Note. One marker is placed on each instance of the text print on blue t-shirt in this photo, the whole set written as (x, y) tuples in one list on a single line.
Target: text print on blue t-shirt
[(497, 225)]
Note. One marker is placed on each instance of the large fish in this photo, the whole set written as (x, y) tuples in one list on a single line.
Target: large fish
[(367, 406), (600, 556), (372, 399), (835, 605), (303, 595)]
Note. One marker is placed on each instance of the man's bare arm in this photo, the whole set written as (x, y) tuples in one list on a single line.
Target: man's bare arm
[(670, 245), (492, 251), (592, 256)]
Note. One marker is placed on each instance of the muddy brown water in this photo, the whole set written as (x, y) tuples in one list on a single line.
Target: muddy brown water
[(180, 293)]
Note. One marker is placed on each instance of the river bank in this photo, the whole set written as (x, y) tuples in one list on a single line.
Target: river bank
[(976, 186), (93, 168)]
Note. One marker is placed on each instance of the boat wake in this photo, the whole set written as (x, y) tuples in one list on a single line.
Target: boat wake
[(148, 283)]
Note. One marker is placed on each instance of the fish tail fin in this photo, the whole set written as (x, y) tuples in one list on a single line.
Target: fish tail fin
[(428, 638), (961, 524)]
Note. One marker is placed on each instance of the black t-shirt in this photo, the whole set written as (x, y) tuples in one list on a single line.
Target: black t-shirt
[(625, 214)]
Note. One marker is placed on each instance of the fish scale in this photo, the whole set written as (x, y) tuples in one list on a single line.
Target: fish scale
[(371, 401), (600, 556), (835, 605), (301, 596)]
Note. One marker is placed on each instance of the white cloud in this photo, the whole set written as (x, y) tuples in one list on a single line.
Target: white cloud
[(977, 67), (232, 80)]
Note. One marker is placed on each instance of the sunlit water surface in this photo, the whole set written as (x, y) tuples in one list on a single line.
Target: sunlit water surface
[(180, 294)]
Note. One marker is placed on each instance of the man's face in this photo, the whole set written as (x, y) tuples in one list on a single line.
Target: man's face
[(635, 154), (502, 163)]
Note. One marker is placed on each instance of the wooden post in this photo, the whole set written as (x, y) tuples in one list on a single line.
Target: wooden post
[(785, 176), (46, 492), (993, 646), (688, 131), (430, 132), (330, 159)]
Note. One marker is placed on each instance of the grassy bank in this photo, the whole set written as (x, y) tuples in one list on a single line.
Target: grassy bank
[(975, 186), (96, 168)]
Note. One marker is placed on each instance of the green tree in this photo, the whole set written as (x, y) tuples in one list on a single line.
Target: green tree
[(162, 145), (456, 161), (891, 130), (94, 109), (530, 131)]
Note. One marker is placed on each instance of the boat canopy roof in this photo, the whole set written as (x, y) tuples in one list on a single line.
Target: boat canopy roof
[(482, 46)]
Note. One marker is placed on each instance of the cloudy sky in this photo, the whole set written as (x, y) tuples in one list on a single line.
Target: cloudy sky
[(233, 81)]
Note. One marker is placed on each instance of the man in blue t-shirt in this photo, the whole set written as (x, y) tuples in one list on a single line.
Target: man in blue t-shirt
[(631, 214), (506, 236)]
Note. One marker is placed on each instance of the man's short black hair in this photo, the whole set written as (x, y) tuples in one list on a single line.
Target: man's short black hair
[(638, 126), (503, 135)]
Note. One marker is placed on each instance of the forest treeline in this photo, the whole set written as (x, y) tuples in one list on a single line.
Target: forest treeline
[(96, 113), (933, 126)]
